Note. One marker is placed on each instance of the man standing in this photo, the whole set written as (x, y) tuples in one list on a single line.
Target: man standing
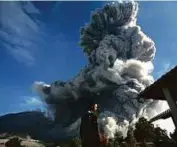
[(89, 128)]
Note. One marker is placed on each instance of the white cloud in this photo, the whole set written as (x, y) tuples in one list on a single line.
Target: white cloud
[(30, 8), (165, 68), (19, 32), (23, 55), (31, 101)]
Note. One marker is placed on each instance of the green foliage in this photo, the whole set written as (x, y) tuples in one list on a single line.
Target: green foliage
[(144, 131), (4, 136), (76, 142), (174, 135), (14, 142)]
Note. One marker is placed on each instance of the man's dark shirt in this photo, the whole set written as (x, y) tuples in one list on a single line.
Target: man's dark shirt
[(89, 130)]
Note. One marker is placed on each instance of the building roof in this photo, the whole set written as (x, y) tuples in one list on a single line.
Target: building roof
[(164, 115), (154, 91)]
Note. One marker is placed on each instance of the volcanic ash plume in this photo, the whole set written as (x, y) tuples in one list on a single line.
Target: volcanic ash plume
[(119, 66)]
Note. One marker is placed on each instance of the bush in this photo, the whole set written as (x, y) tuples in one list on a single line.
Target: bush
[(14, 142)]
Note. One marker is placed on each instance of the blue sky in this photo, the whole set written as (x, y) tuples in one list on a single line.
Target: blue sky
[(39, 41)]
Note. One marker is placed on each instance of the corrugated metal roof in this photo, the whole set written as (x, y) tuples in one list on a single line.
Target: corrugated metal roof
[(154, 91), (164, 115)]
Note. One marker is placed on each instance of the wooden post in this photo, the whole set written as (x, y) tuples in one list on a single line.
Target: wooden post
[(171, 104)]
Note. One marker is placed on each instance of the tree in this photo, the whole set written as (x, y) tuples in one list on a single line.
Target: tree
[(14, 142), (144, 131), (174, 135), (75, 142)]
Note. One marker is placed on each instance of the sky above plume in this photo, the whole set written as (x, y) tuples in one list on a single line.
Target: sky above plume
[(39, 41)]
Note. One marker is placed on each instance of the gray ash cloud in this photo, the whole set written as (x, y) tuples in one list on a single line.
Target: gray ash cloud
[(119, 67)]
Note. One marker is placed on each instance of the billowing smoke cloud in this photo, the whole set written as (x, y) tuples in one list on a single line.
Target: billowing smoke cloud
[(119, 67), (39, 86), (108, 124)]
